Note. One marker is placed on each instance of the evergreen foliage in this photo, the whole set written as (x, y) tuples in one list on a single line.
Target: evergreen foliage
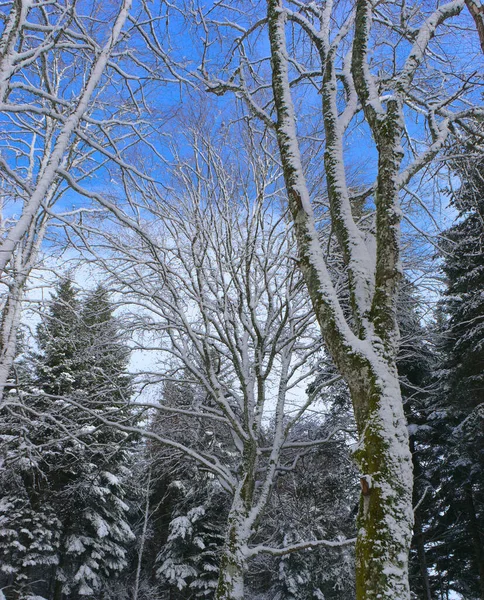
[(459, 478), (189, 561), (63, 470)]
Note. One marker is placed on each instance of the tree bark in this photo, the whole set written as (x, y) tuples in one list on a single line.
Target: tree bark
[(233, 563), (366, 360), (477, 12), (475, 533), (385, 517), (231, 578)]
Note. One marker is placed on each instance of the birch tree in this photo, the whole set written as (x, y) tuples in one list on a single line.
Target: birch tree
[(387, 66), (55, 59)]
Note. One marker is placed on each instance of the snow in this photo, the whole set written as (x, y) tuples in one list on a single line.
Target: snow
[(111, 478), (180, 527), (75, 545), (102, 528), (384, 419)]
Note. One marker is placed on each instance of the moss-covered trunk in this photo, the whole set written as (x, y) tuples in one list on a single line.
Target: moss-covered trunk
[(385, 517), (365, 354), (232, 567), (233, 564)]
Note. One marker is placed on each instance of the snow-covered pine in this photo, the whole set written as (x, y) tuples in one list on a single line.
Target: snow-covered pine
[(70, 465), (181, 532), (189, 560), (459, 407), (30, 529), (29, 535)]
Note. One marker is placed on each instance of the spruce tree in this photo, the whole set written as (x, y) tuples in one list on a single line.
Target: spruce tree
[(416, 363), (187, 507), (75, 468), (188, 562), (459, 553), (30, 529)]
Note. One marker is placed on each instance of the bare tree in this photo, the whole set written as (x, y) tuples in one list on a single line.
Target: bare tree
[(212, 277), (55, 60), (387, 66)]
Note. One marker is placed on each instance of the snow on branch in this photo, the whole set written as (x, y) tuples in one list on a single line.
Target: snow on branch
[(254, 551)]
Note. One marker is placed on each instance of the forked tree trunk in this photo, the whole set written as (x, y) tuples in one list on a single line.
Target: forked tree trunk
[(365, 358)]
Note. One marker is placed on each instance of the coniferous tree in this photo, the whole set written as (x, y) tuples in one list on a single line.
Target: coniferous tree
[(71, 465), (416, 362), (189, 560), (460, 476), (187, 507)]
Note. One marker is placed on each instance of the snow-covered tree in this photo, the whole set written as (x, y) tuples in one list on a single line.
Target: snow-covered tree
[(375, 63), (211, 274), (459, 474), (189, 560), (63, 469), (55, 66), (316, 498)]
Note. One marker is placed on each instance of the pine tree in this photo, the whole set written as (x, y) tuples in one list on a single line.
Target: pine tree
[(30, 529), (416, 363), (75, 467), (459, 553)]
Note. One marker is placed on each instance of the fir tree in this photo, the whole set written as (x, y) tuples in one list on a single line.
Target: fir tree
[(189, 561), (187, 507), (30, 529), (416, 363), (75, 466), (458, 552)]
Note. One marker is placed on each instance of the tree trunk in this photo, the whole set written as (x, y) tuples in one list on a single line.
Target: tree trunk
[(57, 590), (475, 534), (422, 559), (234, 564), (385, 517), (419, 538), (8, 334), (143, 537), (231, 577), (364, 353)]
